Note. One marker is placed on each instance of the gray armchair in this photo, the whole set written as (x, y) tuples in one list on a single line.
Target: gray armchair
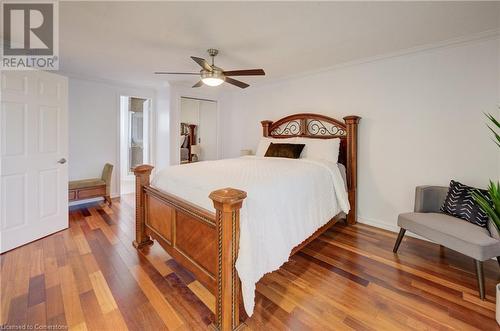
[(429, 222)]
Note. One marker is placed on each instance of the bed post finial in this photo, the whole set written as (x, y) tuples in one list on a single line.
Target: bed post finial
[(142, 173), (265, 127), (352, 164), (227, 203)]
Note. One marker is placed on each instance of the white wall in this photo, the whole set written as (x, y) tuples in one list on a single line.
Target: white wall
[(162, 128), (94, 109), (422, 120)]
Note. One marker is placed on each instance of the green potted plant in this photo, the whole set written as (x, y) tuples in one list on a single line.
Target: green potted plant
[(491, 204)]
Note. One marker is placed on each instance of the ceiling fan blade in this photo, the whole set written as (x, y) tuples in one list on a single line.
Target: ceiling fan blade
[(175, 73), (248, 72), (200, 83), (204, 64), (236, 82)]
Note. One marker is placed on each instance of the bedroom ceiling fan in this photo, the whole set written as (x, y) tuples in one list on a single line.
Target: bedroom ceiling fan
[(212, 75)]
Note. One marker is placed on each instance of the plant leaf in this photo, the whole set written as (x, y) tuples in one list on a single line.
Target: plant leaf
[(496, 135), (494, 120), (485, 203), (497, 124)]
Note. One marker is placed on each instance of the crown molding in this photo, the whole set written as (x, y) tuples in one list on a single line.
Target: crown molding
[(472, 38)]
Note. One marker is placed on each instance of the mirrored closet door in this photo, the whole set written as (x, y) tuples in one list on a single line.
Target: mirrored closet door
[(198, 141)]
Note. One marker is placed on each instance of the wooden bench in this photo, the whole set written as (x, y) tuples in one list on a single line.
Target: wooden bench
[(93, 187)]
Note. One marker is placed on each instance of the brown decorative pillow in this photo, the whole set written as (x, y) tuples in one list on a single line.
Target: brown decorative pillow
[(291, 151)]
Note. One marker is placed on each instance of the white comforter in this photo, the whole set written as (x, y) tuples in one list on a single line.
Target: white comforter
[(287, 201)]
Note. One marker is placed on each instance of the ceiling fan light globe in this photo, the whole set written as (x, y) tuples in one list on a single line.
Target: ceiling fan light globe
[(212, 78), (212, 81)]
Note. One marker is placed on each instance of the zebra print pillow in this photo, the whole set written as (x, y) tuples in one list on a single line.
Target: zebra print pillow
[(459, 203)]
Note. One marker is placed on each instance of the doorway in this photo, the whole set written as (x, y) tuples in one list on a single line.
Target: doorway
[(199, 129), (135, 117)]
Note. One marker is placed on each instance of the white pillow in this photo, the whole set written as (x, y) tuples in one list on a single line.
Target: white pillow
[(266, 141), (326, 149)]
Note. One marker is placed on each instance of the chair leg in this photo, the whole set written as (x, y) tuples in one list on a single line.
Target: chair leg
[(480, 278), (498, 260), (398, 241), (108, 200)]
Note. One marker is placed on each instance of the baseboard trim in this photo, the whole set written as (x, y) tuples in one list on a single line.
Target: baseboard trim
[(388, 227)]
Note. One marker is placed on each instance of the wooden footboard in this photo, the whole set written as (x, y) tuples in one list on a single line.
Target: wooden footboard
[(204, 243)]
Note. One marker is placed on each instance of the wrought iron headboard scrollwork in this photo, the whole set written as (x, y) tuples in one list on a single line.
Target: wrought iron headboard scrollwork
[(318, 126), (307, 125)]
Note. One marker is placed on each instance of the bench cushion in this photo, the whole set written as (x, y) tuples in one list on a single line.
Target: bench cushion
[(85, 183), (452, 232)]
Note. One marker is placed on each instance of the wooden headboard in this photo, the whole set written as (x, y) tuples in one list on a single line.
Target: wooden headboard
[(317, 126), (189, 130)]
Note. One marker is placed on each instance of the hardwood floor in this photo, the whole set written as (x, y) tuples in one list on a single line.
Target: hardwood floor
[(90, 277)]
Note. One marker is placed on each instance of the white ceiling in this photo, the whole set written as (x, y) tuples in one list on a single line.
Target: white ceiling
[(128, 41)]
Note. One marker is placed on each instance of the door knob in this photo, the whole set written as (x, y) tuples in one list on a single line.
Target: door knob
[(62, 161)]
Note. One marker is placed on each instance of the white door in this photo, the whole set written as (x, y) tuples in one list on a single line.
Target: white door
[(207, 131), (34, 145)]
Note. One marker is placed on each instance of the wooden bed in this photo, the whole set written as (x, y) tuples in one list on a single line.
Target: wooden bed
[(206, 243)]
